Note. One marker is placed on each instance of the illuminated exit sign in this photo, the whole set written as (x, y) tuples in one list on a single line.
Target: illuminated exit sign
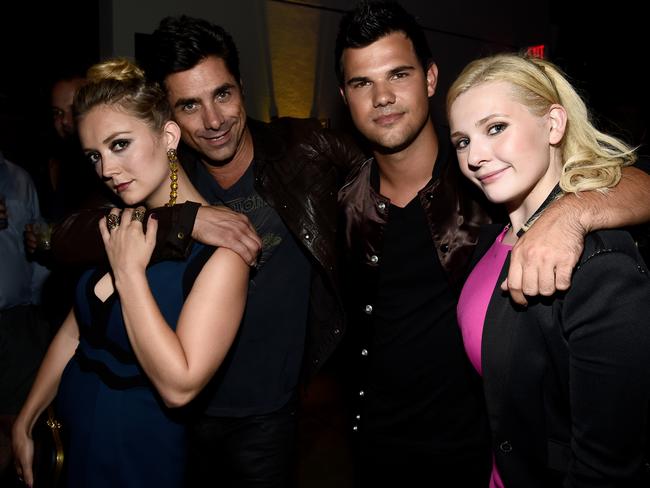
[(536, 51)]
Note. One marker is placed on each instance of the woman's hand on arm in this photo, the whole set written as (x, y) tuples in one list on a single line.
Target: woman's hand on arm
[(43, 391), (543, 259)]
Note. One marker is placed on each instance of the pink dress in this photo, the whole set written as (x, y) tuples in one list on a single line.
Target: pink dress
[(472, 307)]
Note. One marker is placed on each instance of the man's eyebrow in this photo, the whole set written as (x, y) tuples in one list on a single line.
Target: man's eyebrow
[(391, 72), (185, 101), (221, 88), (194, 100), (357, 79), (406, 67)]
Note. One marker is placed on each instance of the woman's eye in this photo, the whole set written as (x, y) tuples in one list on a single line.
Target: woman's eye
[(93, 158), (461, 143), (496, 128), (119, 145)]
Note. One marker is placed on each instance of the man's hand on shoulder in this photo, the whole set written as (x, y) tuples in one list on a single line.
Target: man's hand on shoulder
[(223, 227), (543, 259)]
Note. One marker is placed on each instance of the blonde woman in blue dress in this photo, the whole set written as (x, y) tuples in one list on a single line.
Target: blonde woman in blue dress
[(143, 338)]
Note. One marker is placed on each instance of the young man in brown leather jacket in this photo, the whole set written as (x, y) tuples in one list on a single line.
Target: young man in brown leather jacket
[(409, 230)]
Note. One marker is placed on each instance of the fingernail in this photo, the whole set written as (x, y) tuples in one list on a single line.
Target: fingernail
[(154, 216)]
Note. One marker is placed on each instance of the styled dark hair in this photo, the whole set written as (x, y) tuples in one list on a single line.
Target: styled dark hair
[(180, 43), (369, 21)]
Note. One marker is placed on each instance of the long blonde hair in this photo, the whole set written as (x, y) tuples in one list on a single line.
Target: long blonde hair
[(592, 159)]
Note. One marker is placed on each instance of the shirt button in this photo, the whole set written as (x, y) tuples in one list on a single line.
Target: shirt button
[(316, 361), (358, 417), (355, 428), (368, 309), (444, 247), (505, 447), (307, 236), (337, 331), (374, 259), (181, 235), (381, 206), (364, 352), (361, 393)]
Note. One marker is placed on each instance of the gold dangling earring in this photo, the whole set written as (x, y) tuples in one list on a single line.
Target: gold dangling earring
[(173, 176)]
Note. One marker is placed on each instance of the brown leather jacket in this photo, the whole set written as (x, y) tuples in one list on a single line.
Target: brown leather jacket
[(453, 213), (454, 219), (299, 168)]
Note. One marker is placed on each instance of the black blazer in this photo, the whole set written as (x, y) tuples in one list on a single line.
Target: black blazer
[(567, 380)]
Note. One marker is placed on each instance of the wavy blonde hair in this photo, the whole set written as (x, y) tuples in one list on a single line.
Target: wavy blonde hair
[(592, 159), (121, 82)]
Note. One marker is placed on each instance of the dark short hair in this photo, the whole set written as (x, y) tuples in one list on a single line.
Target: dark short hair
[(369, 21), (180, 43)]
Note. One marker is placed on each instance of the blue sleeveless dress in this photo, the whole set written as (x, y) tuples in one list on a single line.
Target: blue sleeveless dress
[(117, 430)]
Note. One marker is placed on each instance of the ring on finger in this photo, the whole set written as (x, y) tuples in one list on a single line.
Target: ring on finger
[(138, 214), (112, 221)]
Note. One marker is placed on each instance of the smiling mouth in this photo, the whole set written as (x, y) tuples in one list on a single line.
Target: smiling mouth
[(490, 176), (219, 138)]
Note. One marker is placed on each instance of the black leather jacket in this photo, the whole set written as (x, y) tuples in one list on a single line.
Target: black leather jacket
[(299, 170), (453, 214), (454, 218)]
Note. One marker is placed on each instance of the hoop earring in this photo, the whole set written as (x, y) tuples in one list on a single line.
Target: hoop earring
[(173, 176)]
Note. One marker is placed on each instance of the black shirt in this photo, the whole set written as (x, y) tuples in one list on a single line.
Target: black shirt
[(260, 372), (422, 392)]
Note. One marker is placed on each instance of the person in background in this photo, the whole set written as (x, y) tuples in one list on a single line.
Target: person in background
[(142, 339), (23, 335), (567, 379), (410, 225), (65, 184)]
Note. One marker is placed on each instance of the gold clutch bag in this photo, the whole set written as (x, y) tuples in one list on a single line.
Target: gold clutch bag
[(48, 450)]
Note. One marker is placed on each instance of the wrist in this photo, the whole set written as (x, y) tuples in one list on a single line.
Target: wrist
[(21, 427), (126, 280), (574, 211), (199, 219)]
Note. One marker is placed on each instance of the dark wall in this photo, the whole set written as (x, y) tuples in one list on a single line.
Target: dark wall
[(605, 54), (38, 41)]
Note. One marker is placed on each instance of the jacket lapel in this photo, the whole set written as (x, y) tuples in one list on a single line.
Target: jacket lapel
[(497, 349)]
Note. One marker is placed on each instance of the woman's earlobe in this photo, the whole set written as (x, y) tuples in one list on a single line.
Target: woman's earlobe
[(558, 120)]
